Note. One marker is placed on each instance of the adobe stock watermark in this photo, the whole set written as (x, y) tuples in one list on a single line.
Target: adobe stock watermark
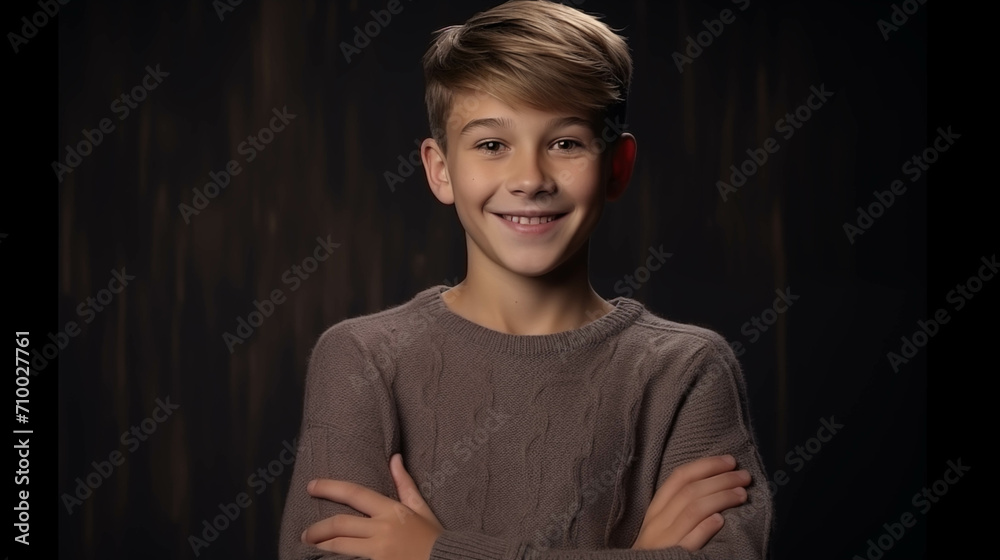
[(123, 105), (363, 35), (899, 16), (87, 310), (610, 133), (592, 488), (796, 459), (249, 149), (389, 346), (463, 450), (722, 366), (406, 167), (49, 10), (229, 512), (924, 500), (757, 325), (914, 168), (654, 261), (133, 438), (704, 39), (293, 277), (223, 7), (716, 373), (786, 127), (958, 297)]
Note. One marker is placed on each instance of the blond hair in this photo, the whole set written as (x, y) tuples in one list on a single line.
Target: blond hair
[(533, 52)]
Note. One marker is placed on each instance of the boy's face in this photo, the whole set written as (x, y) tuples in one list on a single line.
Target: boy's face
[(505, 161)]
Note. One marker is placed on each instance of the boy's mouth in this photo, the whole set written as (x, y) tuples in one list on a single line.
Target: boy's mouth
[(531, 220)]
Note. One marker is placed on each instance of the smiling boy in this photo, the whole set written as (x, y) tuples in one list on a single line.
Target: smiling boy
[(621, 430)]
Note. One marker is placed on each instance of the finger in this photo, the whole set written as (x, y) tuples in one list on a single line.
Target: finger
[(719, 482), (703, 508), (340, 525), (702, 533), (350, 546), (687, 473), (409, 493), (700, 488), (359, 497)]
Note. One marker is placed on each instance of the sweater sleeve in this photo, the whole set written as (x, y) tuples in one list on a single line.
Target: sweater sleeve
[(712, 420), (348, 432)]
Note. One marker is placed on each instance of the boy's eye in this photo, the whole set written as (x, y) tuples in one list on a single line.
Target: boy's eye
[(490, 146), (567, 144)]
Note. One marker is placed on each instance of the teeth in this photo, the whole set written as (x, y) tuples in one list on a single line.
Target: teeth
[(527, 220)]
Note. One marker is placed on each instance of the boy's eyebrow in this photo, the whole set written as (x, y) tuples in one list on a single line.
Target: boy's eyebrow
[(491, 122), (504, 122)]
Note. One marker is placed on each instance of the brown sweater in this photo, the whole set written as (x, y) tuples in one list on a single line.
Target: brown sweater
[(525, 446)]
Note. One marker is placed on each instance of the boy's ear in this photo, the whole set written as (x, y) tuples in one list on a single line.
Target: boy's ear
[(436, 168), (622, 164)]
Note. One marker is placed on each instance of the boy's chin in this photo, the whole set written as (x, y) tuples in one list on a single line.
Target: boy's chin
[(533, 269)]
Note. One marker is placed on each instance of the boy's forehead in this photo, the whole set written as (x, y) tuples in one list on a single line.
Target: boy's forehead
[(468, 106)]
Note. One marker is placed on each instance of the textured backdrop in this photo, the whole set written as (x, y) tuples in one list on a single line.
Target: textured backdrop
[(200, 77)]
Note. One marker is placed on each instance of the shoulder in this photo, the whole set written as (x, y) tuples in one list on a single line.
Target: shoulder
[(375, 331), (693, 361), (680, 347), (663, 331)]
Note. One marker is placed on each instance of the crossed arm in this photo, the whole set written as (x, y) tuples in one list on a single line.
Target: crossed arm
[(692, 515)]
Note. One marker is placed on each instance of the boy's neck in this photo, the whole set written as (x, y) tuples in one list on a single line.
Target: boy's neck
[(501, 300)]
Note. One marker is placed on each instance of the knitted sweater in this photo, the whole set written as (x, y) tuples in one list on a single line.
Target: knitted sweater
[(525, 446)]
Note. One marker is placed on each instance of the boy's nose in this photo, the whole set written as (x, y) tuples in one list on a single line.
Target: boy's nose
[(528, 175)]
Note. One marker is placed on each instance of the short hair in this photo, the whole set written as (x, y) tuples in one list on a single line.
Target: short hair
[(533, 52)]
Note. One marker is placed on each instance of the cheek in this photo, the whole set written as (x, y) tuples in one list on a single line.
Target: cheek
[(471, 185), (580, 185), (470, 195), (577, 174)]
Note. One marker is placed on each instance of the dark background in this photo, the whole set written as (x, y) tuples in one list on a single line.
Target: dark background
[(324, 175)]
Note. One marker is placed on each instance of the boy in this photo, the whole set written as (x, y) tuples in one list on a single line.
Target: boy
[(538, 420)]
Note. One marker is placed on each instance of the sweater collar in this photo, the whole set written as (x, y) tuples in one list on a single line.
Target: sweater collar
[(625, 312)]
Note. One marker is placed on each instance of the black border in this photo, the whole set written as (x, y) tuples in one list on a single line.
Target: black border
[(29, 252)]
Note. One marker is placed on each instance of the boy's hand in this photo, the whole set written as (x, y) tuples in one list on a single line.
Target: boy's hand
[(685, 510), (409, 494), (395, 530)]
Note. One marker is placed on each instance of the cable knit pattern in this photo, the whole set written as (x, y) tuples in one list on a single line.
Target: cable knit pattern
[(525, 446)]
